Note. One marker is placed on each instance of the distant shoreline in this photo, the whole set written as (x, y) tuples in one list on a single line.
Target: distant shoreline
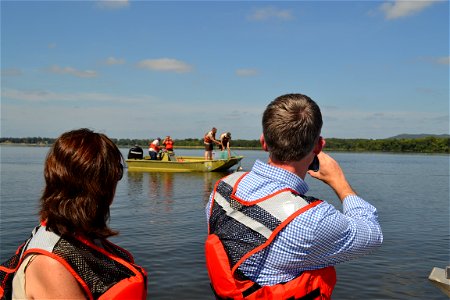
[(327, 148), (405, 143)]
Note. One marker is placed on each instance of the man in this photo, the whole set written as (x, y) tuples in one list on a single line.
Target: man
[(266, 238), (208, 140), (153, 149)]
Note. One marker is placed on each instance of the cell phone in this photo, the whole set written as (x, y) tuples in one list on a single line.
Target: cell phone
[(314, 166)]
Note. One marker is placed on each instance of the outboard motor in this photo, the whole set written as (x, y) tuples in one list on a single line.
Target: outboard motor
[(136, 153)]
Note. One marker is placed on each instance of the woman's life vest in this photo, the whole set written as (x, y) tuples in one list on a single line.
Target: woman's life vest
[(103, 273), (238, 229)]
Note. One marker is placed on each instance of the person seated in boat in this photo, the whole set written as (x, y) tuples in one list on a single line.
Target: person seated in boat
[(136, 152), (153, 149), (209, 140), (168, 144), (68, 255), (225, 139)]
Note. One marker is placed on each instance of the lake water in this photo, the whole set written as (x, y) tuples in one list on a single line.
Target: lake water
[(161, 220)]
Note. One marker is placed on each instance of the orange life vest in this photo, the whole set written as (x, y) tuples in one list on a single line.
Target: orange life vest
[(169, 145), (86, 262), (224, 254), (207, 139), (154, 147)]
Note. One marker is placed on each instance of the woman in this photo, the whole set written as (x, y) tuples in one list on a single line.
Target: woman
[(225, 139), (68, 255), (168, 143)]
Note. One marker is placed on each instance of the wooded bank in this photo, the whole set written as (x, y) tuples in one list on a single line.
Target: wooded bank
[(430, 144)]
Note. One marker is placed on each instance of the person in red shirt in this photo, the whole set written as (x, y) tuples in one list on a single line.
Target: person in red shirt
[(168, 143), (153, 149)]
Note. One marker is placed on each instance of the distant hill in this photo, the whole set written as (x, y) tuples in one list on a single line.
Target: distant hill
[(418, 136)]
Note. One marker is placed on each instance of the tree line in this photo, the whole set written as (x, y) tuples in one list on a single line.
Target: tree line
[(430, 144)]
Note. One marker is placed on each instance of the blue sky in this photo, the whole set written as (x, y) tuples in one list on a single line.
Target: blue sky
[(142, 69)]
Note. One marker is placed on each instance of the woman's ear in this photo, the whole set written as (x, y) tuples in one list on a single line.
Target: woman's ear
[(263, 143)]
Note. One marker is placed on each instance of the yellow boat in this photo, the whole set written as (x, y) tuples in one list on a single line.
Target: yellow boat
[(172, 163)]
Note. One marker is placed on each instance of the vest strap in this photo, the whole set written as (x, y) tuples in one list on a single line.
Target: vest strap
[(251, 290)]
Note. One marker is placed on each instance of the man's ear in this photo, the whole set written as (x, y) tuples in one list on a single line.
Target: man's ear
[(319, 146), (263, 143)]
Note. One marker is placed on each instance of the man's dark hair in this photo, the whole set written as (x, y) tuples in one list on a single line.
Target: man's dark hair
[(291, 127), (81, 174)]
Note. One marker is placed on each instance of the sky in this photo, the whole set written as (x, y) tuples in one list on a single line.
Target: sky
[(147, 69)]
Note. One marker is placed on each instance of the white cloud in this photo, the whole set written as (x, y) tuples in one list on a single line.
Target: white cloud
[(165, 65), (11, 72), (401, 8), (52, 120), (384, 124), (246, 72), (41, 96), (113, 4), (445, 60), (270, 12), (114, 61), (71, 71), (49, 113), (51, 45)]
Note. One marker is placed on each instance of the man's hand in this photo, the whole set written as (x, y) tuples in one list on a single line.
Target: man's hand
[(331, 173)]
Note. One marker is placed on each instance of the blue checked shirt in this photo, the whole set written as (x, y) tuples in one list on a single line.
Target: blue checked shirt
[(320, 237)]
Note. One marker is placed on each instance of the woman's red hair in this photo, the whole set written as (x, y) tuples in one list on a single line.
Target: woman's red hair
[(81, 174)]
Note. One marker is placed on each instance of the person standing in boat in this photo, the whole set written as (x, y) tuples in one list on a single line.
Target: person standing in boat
[(153, 149), (168, 143), (225, 139), (266, 238), (68, 255), (209, 140)]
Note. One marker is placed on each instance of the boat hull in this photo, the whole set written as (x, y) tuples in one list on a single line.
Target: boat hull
[(441, 279), (183, 164)]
